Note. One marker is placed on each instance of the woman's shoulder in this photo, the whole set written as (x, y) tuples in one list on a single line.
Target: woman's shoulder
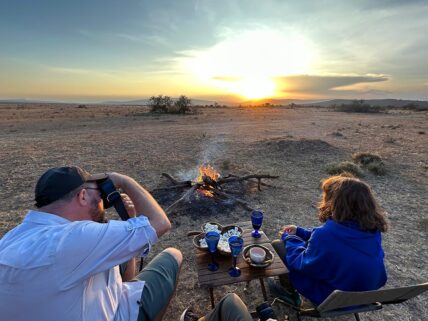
[(323, 230)]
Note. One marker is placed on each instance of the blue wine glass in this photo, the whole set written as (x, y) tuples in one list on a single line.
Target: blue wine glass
[(212, 239), (235, 243), (256, 220)]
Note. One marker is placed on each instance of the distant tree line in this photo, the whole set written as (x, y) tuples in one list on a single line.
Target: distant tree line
[(360, 106)]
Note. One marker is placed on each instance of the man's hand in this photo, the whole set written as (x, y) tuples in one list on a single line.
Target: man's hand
[(290, 229), (143, 202), (118, 179), (129, 205)]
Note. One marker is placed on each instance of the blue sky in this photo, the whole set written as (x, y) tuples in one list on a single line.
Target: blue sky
[(95, 50)]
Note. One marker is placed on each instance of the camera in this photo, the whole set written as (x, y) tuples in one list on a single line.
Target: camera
[(265, 312), (111, 197)]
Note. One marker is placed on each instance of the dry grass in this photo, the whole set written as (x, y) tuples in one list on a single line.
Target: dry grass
[(294, 143), (371, 161), (344, 167)]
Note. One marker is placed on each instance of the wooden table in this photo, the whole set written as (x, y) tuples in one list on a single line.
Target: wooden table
[(220, 277)]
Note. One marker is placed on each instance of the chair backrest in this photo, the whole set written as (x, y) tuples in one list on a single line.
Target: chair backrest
[(342, 299)]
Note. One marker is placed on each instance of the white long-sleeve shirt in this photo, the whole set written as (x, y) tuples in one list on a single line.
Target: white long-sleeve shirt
[(52, 269)]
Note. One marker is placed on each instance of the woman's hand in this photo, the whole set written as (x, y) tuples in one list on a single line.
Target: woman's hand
[(290, 229), (129, 205)]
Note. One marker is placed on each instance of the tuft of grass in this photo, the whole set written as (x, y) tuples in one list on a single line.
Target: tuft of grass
[(373, 162), (337, 134), (389, 140), (366, 158), (344, 167), (377, 168)]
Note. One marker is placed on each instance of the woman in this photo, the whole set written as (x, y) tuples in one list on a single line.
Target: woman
[(344, 253)]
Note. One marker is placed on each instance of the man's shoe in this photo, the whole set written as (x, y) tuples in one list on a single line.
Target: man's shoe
[(289, 297), (188, 315)]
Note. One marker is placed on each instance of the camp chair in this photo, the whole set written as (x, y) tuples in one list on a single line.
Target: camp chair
[(343, 302)]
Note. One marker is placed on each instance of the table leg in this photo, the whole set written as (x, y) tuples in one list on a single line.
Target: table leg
[(263, 289), (247, 285), (212, 297)]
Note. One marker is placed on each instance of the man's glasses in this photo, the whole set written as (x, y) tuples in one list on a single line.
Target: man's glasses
[(94, 188)]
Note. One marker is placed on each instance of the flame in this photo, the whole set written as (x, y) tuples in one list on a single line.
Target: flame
[(205, 193), (207, 175), (207, 171)]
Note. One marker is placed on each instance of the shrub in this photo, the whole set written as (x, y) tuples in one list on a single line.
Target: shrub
[(373, 162), (377, 168), (366, 158), (160, 104), (344, 167), (182, 105), (165, 105)]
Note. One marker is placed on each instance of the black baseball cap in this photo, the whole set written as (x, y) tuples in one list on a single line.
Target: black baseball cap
[(57, 182)]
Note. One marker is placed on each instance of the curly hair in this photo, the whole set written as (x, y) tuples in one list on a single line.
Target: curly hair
[(346, 198)]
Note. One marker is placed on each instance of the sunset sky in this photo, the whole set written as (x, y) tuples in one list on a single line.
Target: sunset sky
[(219, 50)]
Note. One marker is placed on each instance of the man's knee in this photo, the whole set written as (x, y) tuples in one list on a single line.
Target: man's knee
[(176, 254), (232, 300), (232, 308)]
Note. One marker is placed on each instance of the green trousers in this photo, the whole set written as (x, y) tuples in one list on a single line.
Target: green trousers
[(230, 308)]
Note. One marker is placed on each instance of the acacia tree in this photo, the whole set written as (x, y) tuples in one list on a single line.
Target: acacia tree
[(160, 104), (183, 104)]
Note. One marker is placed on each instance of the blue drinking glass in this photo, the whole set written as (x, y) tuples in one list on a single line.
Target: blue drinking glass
[(235, 243), (212, 239), (256, 220)]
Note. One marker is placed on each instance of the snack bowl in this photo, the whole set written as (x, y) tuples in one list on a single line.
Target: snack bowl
[(212, 226), (228, 228), (197, 242), (226, 232), (255, 248)]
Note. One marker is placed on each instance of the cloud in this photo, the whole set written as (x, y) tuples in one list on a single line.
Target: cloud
[(322, 84), (151, 40), (226, 78), (76, 71)]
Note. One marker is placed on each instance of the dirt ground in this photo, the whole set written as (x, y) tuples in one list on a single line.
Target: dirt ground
[(295, 144)]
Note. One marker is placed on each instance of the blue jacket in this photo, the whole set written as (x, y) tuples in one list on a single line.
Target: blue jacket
[(334, 256)]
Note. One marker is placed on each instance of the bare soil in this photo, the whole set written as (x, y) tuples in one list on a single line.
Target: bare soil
[(295, 144)]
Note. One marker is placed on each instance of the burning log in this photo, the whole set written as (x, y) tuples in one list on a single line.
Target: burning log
[(209, 184)]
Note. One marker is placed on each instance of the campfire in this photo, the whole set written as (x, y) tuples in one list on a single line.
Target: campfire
[(207, 179), (210, 184)]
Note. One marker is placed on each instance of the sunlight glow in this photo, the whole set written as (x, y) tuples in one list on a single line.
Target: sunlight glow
[(252, 88), (247, 63)]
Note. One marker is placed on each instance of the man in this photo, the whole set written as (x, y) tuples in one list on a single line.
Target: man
[(61, 262)]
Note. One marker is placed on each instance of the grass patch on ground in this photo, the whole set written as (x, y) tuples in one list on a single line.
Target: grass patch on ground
[(377, 168), (344, 167), (371, 161), (365, 158)]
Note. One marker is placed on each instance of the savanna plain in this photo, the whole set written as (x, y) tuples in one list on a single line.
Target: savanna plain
[(294, 143)]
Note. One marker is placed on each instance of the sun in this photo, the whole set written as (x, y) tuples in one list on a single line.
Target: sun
[(253, 88), (248, 63)]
